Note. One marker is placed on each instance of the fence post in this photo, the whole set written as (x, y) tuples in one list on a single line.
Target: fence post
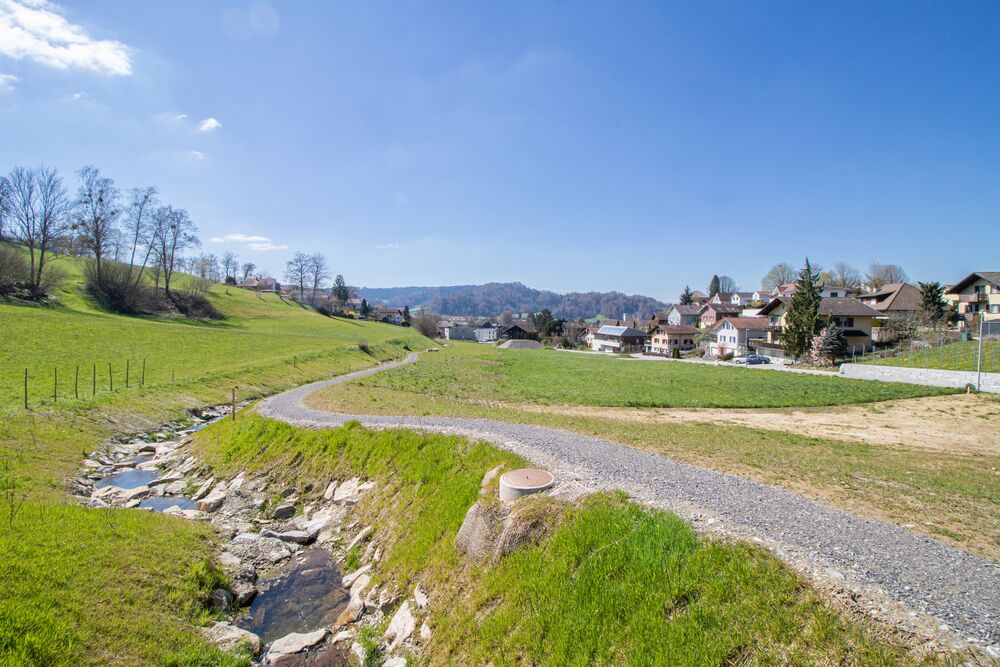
[(93, 387), (55, 384), (76, 383), (142, 382), (111, 378), (25, 388), (233, 411), (126, 372)]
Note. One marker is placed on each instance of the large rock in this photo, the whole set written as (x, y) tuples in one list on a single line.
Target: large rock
[(328, 494), (349, 579), (294, 643), (346, 490), (230, 638), (283, 511), (360, 537), (221, 599), (203, 489), (211, 502), (356, 605), (297, 536), (401, 627)]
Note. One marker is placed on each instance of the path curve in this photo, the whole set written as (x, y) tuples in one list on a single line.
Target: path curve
[(957, 588)]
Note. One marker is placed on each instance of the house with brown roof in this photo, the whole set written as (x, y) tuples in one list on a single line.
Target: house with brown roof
[(825, 291), (735, 298), (853, 317), (895, 300), (737, 335), (618, 339), (684, 314), (670, 337), (713, 312), (976, 294)]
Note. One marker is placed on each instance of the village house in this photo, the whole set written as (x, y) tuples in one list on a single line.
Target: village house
[(516, 331), (853, 317), (735, 298), (684, 314), (976, 294), (670, 337), (713, 312), (459, 332), (618, 339), (737, 335), (485, 334), (895, 300), (825, 291), (390, 315)]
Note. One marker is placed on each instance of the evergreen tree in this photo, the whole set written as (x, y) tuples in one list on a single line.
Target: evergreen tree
[(713, 287), (340, 292), (364, 307), (832, 344), (687, 297), (406, 314), (932, 301), (802, 317)]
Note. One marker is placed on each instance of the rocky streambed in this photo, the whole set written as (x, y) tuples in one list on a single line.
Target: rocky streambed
[(288, 600)]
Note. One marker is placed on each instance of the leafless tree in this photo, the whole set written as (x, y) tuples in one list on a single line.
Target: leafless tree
[(174, 233), (139, 232), (781, 273), (96, 214), (846, 275), (4, 206), (318, 273), (229, 265), (727, 285), (297, 272), (506, 318), (247, 269), (880, 275), (39, 208)]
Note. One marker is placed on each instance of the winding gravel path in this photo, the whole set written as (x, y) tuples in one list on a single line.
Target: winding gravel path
[(888, 563)]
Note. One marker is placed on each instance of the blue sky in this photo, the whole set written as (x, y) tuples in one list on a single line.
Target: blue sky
[(571, 146)]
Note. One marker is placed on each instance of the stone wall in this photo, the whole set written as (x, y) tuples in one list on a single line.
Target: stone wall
[(926, 376)]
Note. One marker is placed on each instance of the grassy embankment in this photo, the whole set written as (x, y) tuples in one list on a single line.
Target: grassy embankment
[(954, 497), (957, 356), (83, 586), (610, 584)]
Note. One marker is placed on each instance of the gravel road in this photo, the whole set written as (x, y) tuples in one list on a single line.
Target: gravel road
[(901, 574)]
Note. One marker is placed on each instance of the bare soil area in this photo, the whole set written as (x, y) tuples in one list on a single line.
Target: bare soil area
[(958, 424)]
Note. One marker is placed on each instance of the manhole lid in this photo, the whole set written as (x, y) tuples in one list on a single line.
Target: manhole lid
[(527, 479)]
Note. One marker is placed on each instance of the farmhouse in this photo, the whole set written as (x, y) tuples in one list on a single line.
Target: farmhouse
[(618, 339), (737, 335), (977, 293), (670, 337), (390, 315)]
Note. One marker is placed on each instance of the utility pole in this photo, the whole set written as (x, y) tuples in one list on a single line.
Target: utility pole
[(979, 359)]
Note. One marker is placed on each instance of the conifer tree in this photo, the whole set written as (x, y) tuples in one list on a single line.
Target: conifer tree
[(713, 287), (687, 297), (832, 344), (802, 317), (932, 301)]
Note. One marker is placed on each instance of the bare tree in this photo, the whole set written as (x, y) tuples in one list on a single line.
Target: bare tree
[(247, 269), (230, 266), (4, 206), (846, 275), (780, 274), (318, 273), (96, 214), (727, 285), (39, 208), (297, 272), (174, 233), (879, 275), (139, 232)]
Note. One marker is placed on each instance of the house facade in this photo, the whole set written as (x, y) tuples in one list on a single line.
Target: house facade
[(895, 300), (459, 332), (713, 312), (670, 337), (485, 334), (682, 314), (737, 335), (390, 315), (976, 294), (849, 314), (618, 339)]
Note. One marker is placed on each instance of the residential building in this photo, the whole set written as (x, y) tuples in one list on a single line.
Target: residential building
[(825, 291), (459, 332), (618, 339), (682, 314), (485, 334), (390, 315), (670, 337), (895, 300), (976, 294), (516, 331), (735, 298), (737, 335), (713, 312), (761, 296), (855, 318)]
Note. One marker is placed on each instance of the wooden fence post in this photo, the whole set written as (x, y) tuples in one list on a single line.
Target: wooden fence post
[(126, 372), (25, 388), (93, 379), (76, 383), (111, 378), (55, 384), (142, 382), (233, 412)]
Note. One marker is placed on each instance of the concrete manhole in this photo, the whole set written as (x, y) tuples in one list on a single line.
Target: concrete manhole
[(522, 482)]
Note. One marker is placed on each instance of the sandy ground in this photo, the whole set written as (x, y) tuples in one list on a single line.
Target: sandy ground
[(958, 424)]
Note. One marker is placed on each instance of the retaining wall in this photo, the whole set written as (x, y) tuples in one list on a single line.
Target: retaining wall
[(927, 376)]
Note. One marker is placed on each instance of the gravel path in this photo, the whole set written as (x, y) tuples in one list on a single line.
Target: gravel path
[(902, 575)]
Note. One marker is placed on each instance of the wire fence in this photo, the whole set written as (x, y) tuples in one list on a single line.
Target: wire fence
[(942, 354)]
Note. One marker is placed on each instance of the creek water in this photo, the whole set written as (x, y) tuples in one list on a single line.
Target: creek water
[(160, 503), (129, 479), (306, 595)]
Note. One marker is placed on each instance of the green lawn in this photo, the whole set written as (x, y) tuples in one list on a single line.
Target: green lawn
[(86, 586), (484, 372), (612, 583), (958, 356)]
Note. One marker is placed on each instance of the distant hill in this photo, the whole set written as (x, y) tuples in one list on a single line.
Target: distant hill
[(494, 298)]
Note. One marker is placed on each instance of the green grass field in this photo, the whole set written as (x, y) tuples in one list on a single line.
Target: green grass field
[(484, 372), (86, 586), (949, 496), (958, 356), (611, 584)]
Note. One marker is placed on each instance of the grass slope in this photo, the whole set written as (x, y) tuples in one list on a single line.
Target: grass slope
[(958, 356), (86, 586), (949, 496), (549, 376), (612, 584)]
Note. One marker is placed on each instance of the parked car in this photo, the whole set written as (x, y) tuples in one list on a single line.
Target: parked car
[(752, 359)]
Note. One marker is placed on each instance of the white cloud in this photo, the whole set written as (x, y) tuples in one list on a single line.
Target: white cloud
[(170, 117), (208, 125), (36, 30), (250, 241), (197, 155), (7, 82), (390, 247), (76, 97)]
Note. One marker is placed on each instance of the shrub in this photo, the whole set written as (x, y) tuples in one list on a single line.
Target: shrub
[(728, 356), (324, 310), (195, 306), (425, 325), (363, 346), (14, 271), (675, 353)]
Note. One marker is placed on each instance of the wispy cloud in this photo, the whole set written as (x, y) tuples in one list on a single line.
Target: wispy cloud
[(197, 155), (8, 82), (389, 246), (37, 30), (170, 117), (76, 97), (209, 125), (260, 20), (250, 241)]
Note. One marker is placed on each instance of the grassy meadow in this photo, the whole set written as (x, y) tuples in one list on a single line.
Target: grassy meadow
[(87, 586), (957, 356), (953, 497), (611, 583)]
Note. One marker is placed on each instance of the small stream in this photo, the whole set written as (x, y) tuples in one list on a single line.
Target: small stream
[(128, 479)]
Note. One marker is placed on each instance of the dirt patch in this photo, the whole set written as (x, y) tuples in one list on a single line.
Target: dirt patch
[(958, 424)]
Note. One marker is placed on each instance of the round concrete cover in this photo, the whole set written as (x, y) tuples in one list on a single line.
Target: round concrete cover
[(523, 481)]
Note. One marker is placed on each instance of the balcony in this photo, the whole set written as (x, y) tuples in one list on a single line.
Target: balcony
[(975, 297)]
